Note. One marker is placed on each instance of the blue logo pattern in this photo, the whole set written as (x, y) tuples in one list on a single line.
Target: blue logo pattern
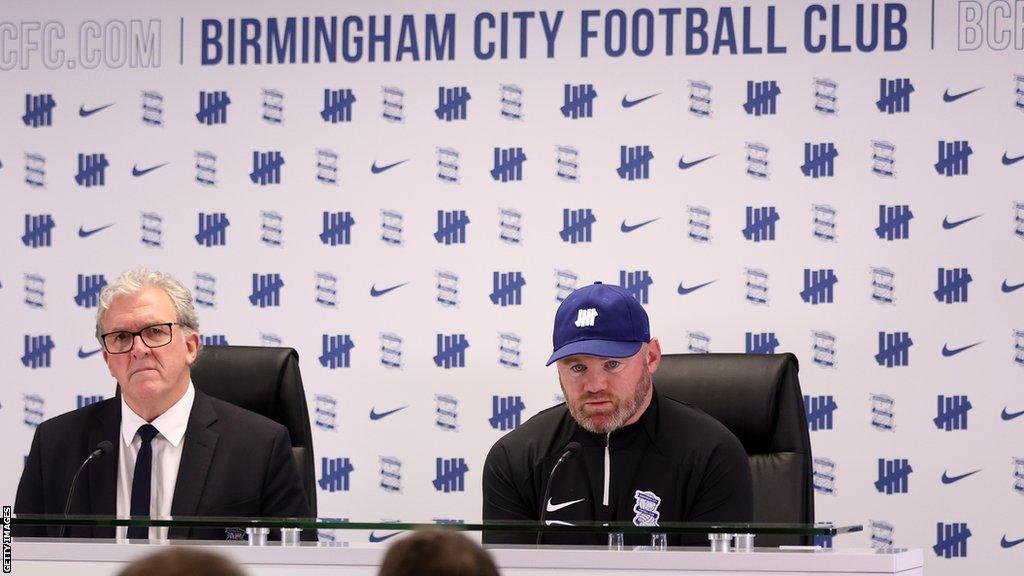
[(38, 110), (569, 204)]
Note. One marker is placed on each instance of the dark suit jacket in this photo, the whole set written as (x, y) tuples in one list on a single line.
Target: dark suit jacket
[(234, 463)]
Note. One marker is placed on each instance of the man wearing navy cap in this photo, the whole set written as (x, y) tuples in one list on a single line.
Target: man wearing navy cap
[(641, 457)]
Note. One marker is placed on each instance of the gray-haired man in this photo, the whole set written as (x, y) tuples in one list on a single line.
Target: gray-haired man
[(173, 451)]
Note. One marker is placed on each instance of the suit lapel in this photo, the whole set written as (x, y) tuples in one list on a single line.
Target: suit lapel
[(196, 456), (103, 472)]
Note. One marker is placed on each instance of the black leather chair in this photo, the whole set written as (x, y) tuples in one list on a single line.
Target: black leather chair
[(264, 380), (758, 398)]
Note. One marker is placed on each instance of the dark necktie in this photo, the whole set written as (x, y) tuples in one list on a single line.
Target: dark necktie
[(142, 480)]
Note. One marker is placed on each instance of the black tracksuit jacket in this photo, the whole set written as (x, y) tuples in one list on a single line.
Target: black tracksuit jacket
[(675, 460)]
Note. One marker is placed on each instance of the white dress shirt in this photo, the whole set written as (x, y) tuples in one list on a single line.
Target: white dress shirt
[(167, 447)]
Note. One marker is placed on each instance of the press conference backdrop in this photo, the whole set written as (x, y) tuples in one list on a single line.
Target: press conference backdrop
[(404, 192)]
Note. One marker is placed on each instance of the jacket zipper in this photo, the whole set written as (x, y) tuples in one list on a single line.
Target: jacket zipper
[(607, 466)]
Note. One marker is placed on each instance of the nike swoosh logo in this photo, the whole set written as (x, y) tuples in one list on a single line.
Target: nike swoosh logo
[(626, 228), (683, 290), (1007, 288), (1007, 161), (947, 97), (948, 352), (83, 354), (374, 415), (947, 479), (1007, 416), (375, 293), (557, 507), (947, 225), (136, 172), (627, 103), (83, 233), (378, 169), (382, 537), (86, 113), (687, 165), (1009, 543)]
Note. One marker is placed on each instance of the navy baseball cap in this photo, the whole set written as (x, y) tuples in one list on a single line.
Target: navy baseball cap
[(600, 320)]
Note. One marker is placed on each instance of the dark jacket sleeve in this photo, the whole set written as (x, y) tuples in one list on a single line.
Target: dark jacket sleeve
[(283, 494), (726, 492), (29, 499), (503, 500)]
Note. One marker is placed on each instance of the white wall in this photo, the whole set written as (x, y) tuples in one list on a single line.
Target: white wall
[(990, 119)]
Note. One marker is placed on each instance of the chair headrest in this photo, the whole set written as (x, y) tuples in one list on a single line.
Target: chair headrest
[(745, 392), (220, 369)]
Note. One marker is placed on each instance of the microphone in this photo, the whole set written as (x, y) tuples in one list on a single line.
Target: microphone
[(104, 447), (571, 450)]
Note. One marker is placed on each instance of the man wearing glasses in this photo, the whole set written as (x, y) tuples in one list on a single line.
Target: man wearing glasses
[(174, 451)]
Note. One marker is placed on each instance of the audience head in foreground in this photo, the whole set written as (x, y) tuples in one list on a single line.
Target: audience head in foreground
[(183, 561), (437, 552)]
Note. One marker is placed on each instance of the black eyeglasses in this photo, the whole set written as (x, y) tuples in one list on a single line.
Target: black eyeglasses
[(154, 336)]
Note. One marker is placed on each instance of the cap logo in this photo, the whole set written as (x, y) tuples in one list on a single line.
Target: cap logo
[(585, 317)]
